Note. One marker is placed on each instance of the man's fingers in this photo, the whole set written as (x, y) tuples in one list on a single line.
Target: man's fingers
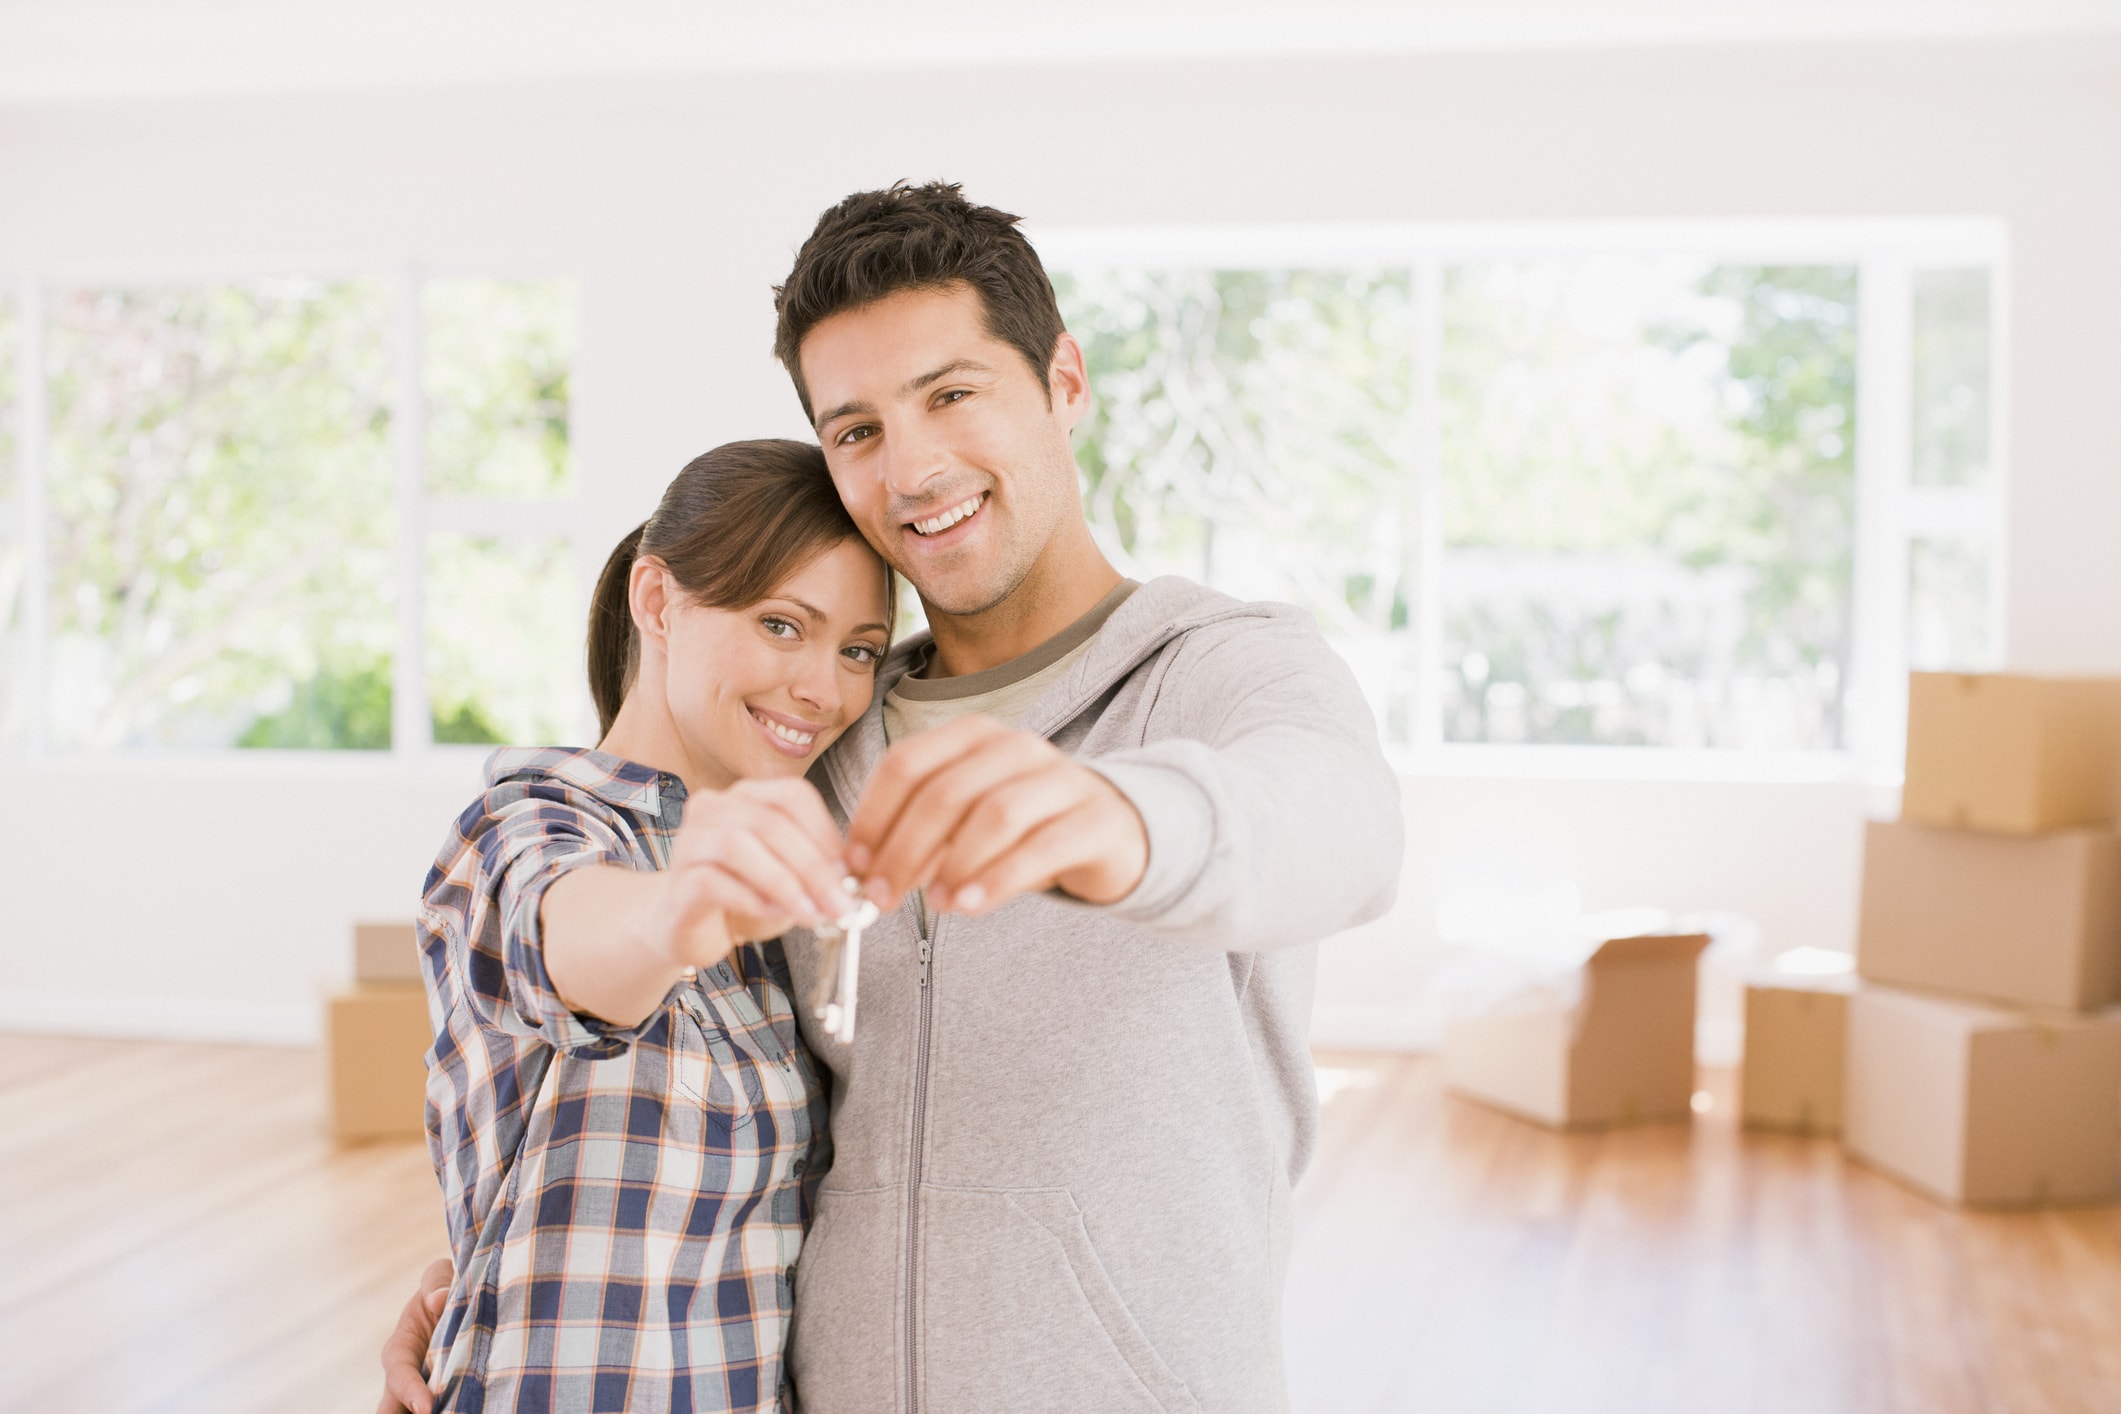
[(904, 767), (933, 814), (1040, 858), (405, 1352), (999, 822)]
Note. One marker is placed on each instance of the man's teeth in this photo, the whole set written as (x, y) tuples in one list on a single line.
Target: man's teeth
[(790, 734), (935, 525)]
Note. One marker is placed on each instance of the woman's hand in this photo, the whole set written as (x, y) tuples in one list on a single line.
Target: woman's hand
[(748, 863), (745, 864)]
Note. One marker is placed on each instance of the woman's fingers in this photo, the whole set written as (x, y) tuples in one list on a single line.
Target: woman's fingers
[(779, 838)]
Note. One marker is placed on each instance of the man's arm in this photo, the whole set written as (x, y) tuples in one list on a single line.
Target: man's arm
[(1273, 816), (1270, 818)]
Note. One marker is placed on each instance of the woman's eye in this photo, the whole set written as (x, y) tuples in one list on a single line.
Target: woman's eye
[(780, 628), (863, 653)]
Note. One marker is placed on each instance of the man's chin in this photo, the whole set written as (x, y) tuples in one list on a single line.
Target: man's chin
[(963, 595)]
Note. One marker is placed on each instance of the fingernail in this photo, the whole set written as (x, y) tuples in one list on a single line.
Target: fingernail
[(878, 892), (858, 858), (968, 898)]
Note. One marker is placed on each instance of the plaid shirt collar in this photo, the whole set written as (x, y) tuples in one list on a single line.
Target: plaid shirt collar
[(623, 784)]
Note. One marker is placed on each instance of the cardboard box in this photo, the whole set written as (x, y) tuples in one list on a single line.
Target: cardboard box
[(1979, 1104), (2034, 920), (2016, 754), (375, 1045), (1796, 1044), (386, 952), (1624, 1052)]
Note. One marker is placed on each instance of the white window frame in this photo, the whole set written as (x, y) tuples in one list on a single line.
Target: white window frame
[(1890, 510), (419, 514)]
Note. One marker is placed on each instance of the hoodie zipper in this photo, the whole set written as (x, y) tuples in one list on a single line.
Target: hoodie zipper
[(920, 1140)]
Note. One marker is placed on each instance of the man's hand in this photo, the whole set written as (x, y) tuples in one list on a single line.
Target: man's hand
[(977, 813), (404, 1354)]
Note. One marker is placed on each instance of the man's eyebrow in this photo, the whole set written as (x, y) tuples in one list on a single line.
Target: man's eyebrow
[(937, 375), (911, 385), (857, 405)]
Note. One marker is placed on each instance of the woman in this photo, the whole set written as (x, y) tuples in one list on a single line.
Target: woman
[(621, 1111)]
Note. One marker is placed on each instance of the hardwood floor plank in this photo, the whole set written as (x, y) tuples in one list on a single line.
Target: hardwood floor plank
[(176, 1233)]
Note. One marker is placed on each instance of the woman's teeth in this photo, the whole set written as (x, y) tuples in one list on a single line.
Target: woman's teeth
[(935, 525), (789, 734)]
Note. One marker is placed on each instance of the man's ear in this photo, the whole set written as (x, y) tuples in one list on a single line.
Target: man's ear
[(649, 591), (1068, 381)]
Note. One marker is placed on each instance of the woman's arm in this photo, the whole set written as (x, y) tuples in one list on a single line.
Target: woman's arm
[(747, 863)]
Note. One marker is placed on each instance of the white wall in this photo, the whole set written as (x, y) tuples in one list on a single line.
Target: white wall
[(151, 896)]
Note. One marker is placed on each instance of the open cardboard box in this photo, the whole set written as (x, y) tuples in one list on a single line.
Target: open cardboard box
[(1796, 1044), (1997, 751), (1623, 1052), (1981, 1104), (2033, 920)]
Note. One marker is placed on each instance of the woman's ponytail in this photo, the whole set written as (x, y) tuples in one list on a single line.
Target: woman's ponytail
[(614, 653)]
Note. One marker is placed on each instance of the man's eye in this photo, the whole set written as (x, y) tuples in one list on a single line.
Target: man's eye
[(860, 433), (954, 394)]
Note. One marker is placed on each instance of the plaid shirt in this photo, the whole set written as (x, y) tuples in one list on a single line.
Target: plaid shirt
[(625, 1203)]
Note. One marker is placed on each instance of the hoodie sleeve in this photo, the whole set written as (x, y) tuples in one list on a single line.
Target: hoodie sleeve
[(1273, 817)]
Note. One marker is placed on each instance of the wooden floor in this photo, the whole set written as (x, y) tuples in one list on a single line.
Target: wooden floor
[(175, 1234)]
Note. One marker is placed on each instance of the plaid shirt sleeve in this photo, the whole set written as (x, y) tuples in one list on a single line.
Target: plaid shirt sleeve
[(525, 838)]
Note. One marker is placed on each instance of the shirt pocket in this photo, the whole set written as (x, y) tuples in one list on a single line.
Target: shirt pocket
[(712, 1096)]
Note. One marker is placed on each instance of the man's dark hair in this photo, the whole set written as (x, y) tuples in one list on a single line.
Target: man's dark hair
[(878, 243)]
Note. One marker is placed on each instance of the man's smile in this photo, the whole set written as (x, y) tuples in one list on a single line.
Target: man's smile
[(944, 521)]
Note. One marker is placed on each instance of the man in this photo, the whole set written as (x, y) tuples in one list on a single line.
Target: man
[(1109, 823)]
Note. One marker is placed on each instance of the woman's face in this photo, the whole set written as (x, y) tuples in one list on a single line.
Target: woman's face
[(762, 691)]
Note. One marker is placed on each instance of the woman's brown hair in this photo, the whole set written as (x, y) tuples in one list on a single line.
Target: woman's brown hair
[(735, 523)]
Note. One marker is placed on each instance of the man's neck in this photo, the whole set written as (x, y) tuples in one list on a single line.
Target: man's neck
[(1053, 596)]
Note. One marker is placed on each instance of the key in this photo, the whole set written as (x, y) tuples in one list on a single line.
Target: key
[(839, 972)]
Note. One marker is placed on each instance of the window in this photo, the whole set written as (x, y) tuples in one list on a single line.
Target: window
[(14, 551), (275, 513), (1566, 487)]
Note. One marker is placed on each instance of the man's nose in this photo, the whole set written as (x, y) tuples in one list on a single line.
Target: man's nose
[(912, 459)]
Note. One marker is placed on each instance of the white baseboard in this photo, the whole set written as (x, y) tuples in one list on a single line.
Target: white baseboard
[(162, 1018)]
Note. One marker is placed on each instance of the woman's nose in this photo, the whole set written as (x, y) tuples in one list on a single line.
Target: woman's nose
[(817, 683)]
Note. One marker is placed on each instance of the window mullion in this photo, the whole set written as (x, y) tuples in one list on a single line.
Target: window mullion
[(32, 482), (1877, 691), (411, 720), (1425, 541)]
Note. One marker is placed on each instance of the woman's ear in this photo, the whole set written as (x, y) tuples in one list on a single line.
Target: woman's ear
[(648, 595)]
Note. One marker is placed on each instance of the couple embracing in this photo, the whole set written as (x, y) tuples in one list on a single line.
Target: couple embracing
[(1106, 824)]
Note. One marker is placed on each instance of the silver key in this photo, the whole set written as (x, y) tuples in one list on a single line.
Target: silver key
[(840, 969)]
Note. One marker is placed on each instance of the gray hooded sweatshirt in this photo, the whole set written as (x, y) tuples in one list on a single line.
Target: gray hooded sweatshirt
[(1064, 1137)]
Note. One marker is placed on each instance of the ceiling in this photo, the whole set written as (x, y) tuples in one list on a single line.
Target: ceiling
[(61, 50)]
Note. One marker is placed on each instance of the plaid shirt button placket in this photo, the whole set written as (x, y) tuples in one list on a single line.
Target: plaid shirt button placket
[(625, 1203)]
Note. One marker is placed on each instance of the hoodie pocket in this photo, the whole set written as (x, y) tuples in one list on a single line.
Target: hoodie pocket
[(1019, 1313), (843, 1348)]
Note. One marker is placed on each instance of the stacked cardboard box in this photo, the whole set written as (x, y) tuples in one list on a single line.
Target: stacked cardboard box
[(1980, 1067), (376, 1038)]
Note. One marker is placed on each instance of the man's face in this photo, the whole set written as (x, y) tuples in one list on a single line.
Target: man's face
[(951, 458)]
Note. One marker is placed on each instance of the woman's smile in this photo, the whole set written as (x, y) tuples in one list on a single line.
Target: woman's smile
[(791, 736)]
